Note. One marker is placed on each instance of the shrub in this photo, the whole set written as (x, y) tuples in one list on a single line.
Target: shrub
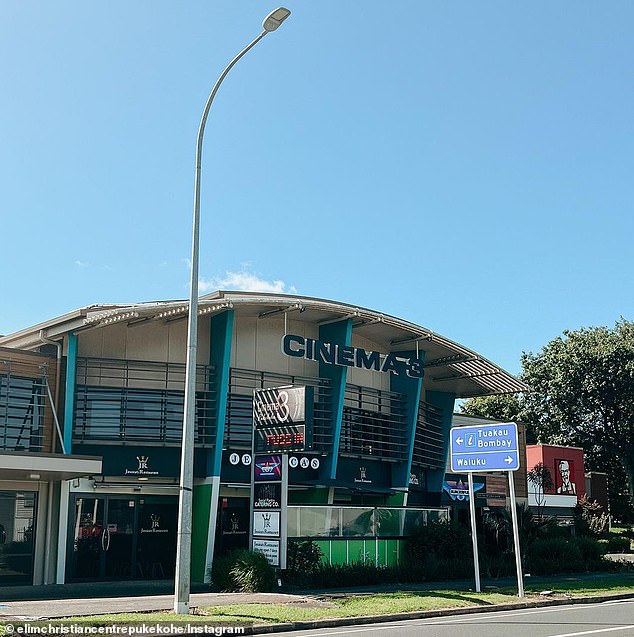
[(573, 555), (442, 539), (245, 572), (591, 552), (303, 556), (220, 576), (553, 556), (618, 544), (500, 565), (348, 575), (590, 519)]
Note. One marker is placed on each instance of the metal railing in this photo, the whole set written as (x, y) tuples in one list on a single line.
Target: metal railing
[(139, 401), (374, 423), (239, 421), (429, 439), (22, 401)]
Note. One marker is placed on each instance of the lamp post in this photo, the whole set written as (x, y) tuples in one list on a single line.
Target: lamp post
[(183, 546)]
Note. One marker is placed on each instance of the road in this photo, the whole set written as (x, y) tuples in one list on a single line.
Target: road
[(608, 618)]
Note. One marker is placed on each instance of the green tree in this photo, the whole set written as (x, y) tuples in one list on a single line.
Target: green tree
[(504, 407)]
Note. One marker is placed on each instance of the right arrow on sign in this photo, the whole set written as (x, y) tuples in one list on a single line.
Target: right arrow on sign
[(508, 459)]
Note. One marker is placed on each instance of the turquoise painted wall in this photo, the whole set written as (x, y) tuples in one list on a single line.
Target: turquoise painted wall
[(341, 334), (446, 402), (411, 388), (221, 327)]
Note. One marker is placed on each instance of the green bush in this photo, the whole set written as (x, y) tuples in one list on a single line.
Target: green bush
[(243, 571), (618, 544), (591, 552), (553, 556), (220, 576), (558, 555), (349, 575), (442, 539), (500, 565), (303, 558)]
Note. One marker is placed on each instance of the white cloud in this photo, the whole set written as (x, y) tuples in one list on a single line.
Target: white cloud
[(81, 264), (244, 282)]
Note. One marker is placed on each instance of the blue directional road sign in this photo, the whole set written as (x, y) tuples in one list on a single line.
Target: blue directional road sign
[(485, 448)]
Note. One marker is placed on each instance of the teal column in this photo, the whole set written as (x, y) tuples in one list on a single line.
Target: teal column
[(207, 493), (220, 357), (339, 333), (444, 401), (411, 388), (69, 400)]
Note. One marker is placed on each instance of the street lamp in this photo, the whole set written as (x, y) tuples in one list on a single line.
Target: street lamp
[(183, 546)]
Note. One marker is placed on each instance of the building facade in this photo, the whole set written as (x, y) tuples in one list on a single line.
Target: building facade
[(381, 397)]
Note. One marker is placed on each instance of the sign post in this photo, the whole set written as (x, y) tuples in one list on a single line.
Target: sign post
[(516, 537), (485, 448), (474, 535)]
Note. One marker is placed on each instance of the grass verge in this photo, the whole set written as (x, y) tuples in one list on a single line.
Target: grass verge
[(367, 604)]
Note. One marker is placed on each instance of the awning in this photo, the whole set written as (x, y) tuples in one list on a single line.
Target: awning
[(18, 465)]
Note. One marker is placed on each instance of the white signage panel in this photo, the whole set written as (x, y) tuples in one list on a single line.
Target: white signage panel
[(266, 523), (270, 549)]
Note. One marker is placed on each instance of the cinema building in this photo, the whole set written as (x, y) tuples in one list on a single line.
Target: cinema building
[(381, 396)]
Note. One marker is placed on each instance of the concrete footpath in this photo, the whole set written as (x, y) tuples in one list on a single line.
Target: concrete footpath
[(98, 598)]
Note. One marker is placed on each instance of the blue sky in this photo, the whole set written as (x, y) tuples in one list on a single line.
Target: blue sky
[(463, 165)]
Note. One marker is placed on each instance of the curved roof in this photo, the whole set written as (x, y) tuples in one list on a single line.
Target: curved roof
[(449, 366)]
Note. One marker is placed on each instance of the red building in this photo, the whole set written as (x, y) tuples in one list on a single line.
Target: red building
[(565, 465)]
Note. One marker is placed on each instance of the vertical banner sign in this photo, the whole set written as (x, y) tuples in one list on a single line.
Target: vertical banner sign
[(280, 424), (269, 488)]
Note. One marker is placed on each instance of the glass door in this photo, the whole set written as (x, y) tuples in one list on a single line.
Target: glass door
[(121, 537), (88, 539), (118, 545), (103, 538)]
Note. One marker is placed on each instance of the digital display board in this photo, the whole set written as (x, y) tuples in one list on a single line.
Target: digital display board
[(281, 438)]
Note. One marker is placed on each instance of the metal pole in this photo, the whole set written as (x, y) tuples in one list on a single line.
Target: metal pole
[(474, 534), (516, 537), (183, 548)]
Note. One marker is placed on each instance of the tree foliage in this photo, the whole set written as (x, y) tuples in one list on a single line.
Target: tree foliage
[(582, 394), (506, 407)]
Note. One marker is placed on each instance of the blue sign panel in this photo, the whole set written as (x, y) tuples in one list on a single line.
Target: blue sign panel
[(485, 448)]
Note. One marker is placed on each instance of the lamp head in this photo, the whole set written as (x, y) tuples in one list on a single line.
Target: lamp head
[(275, 19)]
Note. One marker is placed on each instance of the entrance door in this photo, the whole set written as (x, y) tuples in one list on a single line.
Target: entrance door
[(89, 539), (122, 537), (103, 538), (119, 533)]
